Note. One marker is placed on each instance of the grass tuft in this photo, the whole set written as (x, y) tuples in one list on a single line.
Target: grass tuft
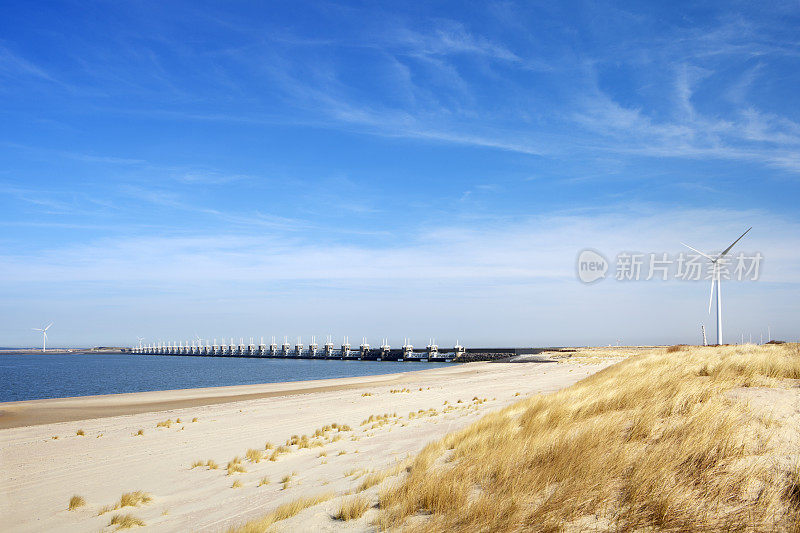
[(75, 502), (134, 499), (125, 521), (280, 450), (80, 433), (128, 499), (286, 480), (164, 423), (283, 512), (254, 456), (352, 508), (235, 467), (236, 484)]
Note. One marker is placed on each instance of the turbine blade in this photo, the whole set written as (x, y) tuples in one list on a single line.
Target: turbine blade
[(698, 251), (728, 249), (713, 279)]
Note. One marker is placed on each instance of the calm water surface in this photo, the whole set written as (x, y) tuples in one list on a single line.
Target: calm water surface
[(35, 376)]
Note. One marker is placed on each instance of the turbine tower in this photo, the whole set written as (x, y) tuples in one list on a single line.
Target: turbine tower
[(44, 335), (715, 277)]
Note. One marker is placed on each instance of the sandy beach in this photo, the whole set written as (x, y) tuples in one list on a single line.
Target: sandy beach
[(45, 461)]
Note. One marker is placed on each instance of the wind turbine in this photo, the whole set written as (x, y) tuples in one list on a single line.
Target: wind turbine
[(140, 342), (44, 334), (715, 277)]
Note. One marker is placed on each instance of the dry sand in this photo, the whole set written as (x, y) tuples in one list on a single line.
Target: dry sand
[(41, 473)]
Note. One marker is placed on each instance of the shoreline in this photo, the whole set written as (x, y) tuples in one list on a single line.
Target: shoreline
[(38, 412), (167, 443)]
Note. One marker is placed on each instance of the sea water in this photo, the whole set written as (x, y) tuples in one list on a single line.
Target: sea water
[(32, 376)]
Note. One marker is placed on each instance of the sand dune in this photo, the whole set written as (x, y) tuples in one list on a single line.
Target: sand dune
[(40, 473)]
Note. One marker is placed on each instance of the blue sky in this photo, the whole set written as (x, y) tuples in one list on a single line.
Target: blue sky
[(391, 170)]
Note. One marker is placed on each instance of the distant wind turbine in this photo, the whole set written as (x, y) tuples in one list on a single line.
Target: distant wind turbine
[(715, 277), (44, 335), (140, 342)]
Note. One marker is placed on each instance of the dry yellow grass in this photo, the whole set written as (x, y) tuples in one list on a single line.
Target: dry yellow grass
[(125, 521), (80, 433), (164, 423), (211, 464), (195, 419), (75, 502), (133, 499), (236, 484), (377, 477), (128, 499), (235, 466), (254, 456), (139, 433), (264, 481), (352, 508), (652, 442), (287, 510), (286, 480), (280, 450)]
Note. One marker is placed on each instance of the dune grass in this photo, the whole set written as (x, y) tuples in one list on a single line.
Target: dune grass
[(286, 480), (128, 499), (164, 423), (235, 466), (277, 452), (283, 512), (352, 508), (75, 502), (125, 521), (254, 456), (80, 433), (212, 464), (653, 442), (139, 433), (264, 481), (133, 499), (377, 477), (236, 484), (198, 463)]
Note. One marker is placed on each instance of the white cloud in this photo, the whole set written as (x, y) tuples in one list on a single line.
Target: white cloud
[(534, 248)]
